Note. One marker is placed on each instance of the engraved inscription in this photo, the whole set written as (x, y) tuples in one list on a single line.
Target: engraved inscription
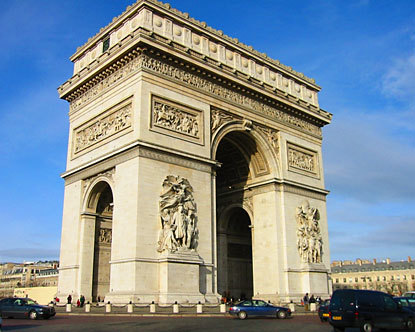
[(102, 127)]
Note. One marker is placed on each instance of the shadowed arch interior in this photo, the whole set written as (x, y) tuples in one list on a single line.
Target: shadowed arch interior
[(241, 162), (101, 201)]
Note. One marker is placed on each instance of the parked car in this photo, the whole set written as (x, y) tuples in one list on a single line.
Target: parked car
[(323, 310), (247, 308), (406, 302), (409, 294), (24, 308), (366, 310)]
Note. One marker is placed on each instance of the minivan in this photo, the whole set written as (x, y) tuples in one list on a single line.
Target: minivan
[(367, 310)]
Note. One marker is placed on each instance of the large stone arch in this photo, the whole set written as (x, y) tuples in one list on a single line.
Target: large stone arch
[(156, 108), (96, 236)]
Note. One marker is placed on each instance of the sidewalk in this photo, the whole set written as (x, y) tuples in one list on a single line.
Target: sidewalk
[(164, 311)]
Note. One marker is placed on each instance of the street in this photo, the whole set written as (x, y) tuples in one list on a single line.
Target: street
[(84, 323)]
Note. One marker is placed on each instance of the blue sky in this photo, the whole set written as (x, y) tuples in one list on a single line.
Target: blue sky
[(361, 52)]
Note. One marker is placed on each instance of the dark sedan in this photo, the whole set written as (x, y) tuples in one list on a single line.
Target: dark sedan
[(24, 308), (247, 308), (323, 310)]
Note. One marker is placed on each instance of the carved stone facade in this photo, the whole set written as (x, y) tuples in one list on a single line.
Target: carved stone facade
[(303, 160), (309, 239), (176, 119), (188, 154), (177, 216), (102, 127)]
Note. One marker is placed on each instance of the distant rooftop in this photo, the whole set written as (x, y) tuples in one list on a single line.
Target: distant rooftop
[(360, 265)]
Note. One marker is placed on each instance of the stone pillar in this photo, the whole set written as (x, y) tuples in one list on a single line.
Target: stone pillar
[(312, 307), (175, 308), (292, 307), (88, 307), (152, 308), (86, 255), (108, 307), (129, 308), (179, 277), (199, 308), (68, 307), (223, 308)]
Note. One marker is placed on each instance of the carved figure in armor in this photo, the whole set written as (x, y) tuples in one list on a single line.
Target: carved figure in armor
[(309, 239), (177, 215)]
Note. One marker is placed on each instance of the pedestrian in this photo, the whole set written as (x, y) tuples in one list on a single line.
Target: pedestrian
[(312, 299), (78, 303), (69, 299), (99, 299), (306, 299), (82, 300)]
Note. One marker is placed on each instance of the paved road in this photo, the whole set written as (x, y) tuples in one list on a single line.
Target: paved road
[(169, 324)]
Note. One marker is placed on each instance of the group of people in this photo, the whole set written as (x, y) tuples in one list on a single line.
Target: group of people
[(79, 303), (308, 300)]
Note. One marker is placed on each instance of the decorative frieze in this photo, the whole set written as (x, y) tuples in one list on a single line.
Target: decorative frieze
[(109, 123), (309, 239), (144, 61), (227, 94), (302, 160), (179, 120), (108, 79)]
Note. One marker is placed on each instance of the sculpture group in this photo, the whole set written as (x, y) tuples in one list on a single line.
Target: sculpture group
[(177, 215), (309, 239)]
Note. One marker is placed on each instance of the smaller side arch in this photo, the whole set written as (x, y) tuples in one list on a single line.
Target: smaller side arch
[(93, 191)]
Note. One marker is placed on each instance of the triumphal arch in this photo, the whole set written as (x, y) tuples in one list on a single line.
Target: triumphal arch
[(194, 168)]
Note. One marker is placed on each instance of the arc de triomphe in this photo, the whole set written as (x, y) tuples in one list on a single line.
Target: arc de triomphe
[(194, 168)]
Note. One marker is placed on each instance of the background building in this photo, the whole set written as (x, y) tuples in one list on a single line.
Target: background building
[(29, 274), (386, 276)]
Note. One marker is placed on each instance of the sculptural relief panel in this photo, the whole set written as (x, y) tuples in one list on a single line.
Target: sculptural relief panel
[(168, 117), (309, 239), (177, 209), (116, 120), (302, 160)]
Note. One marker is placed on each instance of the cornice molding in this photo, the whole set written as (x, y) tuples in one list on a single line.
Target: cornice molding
[(177, 16), (201, 80)]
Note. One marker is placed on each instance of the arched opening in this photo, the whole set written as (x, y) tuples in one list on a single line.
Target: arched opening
[(241, 162), (101, 197), (235, 256)]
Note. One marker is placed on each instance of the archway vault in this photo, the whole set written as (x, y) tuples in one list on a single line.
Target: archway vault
[(259, 146)]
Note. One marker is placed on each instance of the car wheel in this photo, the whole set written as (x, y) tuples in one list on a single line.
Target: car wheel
[(366, 327), (33, 314), (281, 314), (242, 315), (410, 324)]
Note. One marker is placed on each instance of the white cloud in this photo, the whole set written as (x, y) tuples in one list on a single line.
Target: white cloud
[(399, 80), (365, 162)]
